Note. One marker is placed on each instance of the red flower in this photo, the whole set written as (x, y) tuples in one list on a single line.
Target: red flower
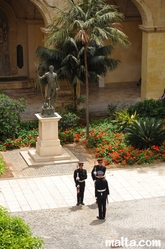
[(106, 162)]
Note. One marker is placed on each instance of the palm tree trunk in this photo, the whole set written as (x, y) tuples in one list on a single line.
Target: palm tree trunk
[(75, 97), (87, 90)]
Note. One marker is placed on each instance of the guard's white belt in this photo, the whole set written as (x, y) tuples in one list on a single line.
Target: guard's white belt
[(82, 181), (102, 190)]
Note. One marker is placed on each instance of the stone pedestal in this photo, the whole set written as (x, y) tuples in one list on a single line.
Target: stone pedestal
[(48, 143), (48, 149)]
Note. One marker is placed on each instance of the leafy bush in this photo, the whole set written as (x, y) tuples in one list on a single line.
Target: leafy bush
[(68, 120), (2, 165), (28, 125), (10, 115), (123, 119), (14, 233), (145, 133), (148, 108)]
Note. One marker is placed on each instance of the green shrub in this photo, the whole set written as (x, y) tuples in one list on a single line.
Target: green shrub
[(10, 115), (148, 108), (68, 120), (28, 125), (123, 119), (15, 234), (2, 165), (145, 133)]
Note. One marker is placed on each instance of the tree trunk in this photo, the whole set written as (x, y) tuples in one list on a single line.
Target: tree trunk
[(75, 97), (87, 90)]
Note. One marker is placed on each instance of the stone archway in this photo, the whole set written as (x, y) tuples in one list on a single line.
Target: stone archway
[(24, 30), (43, 8), (153, 52), (146, 14)]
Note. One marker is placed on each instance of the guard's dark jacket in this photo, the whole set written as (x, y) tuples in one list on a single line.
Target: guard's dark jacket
[(81, 173), (95, 170), (101, 188), (80, 184)]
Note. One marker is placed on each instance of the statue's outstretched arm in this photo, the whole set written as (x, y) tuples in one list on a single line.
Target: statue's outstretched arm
[(41, 77)]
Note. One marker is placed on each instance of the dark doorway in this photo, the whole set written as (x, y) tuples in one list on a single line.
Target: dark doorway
[(4, 45)]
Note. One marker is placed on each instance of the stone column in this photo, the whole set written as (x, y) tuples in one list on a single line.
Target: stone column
[(153, 54)]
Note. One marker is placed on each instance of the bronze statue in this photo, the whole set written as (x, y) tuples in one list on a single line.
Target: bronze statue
[(52, 92)]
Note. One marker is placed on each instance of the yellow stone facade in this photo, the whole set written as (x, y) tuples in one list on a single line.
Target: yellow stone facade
[(22, 24)]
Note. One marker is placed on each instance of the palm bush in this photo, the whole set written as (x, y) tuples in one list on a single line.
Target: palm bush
[(123, 119), (145, 133)]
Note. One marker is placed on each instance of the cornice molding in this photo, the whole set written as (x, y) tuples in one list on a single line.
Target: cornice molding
[(152, 29)]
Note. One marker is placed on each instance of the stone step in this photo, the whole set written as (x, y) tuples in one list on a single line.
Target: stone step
[(9, 85)]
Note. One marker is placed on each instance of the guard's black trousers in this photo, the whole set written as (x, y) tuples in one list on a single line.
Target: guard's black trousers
[(102, 207), (80, 194)]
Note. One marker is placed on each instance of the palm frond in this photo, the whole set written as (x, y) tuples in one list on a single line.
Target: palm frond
[(70, 45), (70, 59), (105, 50)]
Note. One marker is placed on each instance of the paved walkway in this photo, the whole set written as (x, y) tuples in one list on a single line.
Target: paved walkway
[(136, 209), (48, 192), (77, 227)]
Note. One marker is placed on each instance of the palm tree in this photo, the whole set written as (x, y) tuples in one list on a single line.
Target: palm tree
[(87, 21), (69, 62)]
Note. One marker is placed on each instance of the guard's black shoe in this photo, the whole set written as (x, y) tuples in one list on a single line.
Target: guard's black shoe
[(77, 204), (82, 203), (99, 218)]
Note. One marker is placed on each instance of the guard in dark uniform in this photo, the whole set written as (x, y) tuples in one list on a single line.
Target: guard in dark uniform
[(96, 168), (101, 192), (80, 175)]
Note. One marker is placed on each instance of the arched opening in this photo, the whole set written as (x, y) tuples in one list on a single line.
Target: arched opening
[(22, 21), (129, 70), (4, 44)]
